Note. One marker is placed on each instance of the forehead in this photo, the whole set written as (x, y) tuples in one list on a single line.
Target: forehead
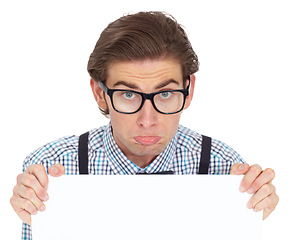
[(144, 73)]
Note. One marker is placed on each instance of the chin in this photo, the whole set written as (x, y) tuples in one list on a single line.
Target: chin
[(148, 150)]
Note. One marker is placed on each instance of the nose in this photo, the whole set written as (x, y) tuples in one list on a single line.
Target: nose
[(147, 116)]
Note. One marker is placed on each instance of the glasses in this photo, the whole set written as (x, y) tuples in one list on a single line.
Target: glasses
[(129, 102)]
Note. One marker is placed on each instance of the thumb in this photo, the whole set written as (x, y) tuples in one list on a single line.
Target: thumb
[(239, 169), (56, 170)]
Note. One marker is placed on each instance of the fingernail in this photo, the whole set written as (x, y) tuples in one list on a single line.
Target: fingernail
[(46, 198), (242, 189), (250, 190), (249, 205), (255, 210), (241, 167), (43, 208), (55, 170)]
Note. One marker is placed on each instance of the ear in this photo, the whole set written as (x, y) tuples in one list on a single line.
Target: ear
[(98, 94), (191, 90)]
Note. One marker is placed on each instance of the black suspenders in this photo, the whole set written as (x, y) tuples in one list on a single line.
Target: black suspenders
[(83, 160), (205, 155), (83, 154)]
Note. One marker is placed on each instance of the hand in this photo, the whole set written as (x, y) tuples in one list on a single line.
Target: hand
[(259, 183), (31, 190)]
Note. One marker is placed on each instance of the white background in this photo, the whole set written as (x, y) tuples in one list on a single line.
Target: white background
[(243, 92)]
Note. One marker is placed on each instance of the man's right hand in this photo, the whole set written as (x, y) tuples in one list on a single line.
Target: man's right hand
[(30, 191)]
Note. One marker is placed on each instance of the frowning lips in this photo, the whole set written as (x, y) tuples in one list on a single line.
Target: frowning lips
[(147, 140)]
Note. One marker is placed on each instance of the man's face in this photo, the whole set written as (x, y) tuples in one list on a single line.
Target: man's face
[(143, 135)]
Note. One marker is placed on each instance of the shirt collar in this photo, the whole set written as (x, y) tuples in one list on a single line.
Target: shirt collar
[(120, 164)]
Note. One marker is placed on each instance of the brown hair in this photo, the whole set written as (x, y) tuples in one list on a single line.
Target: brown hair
[(140, 36)]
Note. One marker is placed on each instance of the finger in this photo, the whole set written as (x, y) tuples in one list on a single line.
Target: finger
[(25, 217), (239, 169), (268, 205), (24, 208), (250, 177), (272, 203), (265, 177), (40, 173), (30, 181), (57, 170), (267, 202), (30, 195), (265, 191)]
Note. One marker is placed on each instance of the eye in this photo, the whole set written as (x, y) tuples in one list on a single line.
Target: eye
[(165, 94), (128, 95)]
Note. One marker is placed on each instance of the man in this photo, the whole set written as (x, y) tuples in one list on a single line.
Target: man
[(142, 76)]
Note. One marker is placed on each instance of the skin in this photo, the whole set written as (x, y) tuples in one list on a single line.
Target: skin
[(142, 137)]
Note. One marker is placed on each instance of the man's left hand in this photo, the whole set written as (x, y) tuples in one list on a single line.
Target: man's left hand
[(259, 183)]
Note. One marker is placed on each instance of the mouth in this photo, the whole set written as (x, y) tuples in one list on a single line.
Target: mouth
[(147, 140)]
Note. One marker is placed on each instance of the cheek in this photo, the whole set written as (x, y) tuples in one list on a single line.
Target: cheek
[(122, 123), (172, 122)]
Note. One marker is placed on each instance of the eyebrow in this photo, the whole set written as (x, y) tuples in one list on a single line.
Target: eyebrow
[(130, 85), (133, 86), (166, 83)]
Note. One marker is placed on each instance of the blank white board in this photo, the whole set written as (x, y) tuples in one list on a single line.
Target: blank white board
[(155, 207)]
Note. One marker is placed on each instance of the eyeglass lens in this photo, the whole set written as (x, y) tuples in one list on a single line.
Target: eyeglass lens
[(166, 102)]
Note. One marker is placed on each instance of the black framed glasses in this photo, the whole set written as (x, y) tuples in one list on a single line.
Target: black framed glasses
[(129, 102)]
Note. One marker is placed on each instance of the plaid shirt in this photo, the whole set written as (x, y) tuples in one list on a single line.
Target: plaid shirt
[(182, 156)]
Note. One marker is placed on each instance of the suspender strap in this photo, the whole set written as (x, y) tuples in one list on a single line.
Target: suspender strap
[(205, 155), (83, 153)]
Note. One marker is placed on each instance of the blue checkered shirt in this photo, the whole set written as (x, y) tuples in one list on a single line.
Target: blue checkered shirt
[(182, 156)]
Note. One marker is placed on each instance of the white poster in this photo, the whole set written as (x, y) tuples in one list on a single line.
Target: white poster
[(142, 207)]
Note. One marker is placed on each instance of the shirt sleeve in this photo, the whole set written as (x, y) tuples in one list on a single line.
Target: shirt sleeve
[(26, 232), (223, 157), (63, 151)]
